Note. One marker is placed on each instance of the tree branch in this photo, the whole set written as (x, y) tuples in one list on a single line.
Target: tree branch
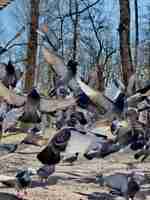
[(79, 12), (108, 55)]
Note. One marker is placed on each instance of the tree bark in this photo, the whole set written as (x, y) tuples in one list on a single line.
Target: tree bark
[(124, 34), (76, 28), (32, 45), (136, 33)]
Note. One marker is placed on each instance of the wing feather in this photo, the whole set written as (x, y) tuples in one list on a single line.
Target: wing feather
[(53, 59)]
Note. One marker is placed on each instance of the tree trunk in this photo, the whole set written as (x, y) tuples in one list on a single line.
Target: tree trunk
[(136, 33), (76, 35), (32, 45), (101, 79), (124, 34)]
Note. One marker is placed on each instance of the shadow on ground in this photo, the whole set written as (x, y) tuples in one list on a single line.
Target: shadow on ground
[(97, 196)]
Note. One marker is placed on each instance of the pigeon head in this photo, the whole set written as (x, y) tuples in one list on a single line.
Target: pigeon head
[(133, 188), (76, 154), (23, 178), (34, 94), (72, 65), (83, 100), (10, 68)]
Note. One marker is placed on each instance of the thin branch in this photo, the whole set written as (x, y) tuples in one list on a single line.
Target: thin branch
[(95, 29), (18, 34), (17, 44), (108, 55), (79, 12)]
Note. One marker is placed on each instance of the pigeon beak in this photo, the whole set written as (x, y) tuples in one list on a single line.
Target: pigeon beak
[(95, 96)]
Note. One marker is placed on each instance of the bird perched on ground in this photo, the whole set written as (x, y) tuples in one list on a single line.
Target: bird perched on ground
[(121, 184), (31, 112), (143, 153), (45, 171), (28, 113), (3, 109), (23, 181), (71, 159), (11, 118), (101, 149), (10, 148)]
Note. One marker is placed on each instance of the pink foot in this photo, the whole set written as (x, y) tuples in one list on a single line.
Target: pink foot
[(20, 195)]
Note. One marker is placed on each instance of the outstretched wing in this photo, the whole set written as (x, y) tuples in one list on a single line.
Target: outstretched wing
[(67, 73), (95, 96), (10, 96), (57, 61), (51, 105), (4, 3), (66, 141), (11, 118)]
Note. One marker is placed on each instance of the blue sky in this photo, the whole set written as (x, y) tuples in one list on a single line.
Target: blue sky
[(112, 13)]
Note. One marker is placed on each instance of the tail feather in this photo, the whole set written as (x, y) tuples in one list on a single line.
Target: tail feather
[(47, 156), (138, 155)]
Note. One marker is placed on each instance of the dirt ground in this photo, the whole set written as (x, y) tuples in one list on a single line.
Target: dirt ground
[(75, 182)]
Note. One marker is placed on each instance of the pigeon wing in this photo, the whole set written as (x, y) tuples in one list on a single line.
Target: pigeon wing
[(11, 118), (56, 61)]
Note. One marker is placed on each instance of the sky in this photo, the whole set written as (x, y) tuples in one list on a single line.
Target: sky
[(111, 11)]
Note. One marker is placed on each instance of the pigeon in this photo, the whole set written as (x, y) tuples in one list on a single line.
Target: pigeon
[(31, 112), (101, 149), (8, 75), (10, 148), (3, 110), (143, 153), (11, 118), (65, 72), (23, 181), (45, 171), (71, 159), (68, 140), (121, 184)]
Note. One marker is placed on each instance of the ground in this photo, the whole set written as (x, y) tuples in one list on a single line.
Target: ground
[(75, 182)]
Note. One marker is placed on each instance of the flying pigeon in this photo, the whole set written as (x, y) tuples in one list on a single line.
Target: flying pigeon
[(66, 73), (69, 141)]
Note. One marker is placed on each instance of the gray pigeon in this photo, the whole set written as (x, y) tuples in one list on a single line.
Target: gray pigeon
[(45, 171), (121, 184)]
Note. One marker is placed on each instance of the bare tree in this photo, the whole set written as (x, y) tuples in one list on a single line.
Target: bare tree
[(124, 34), (136, 33), (103, 50), (32, 44), (76, 24)]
